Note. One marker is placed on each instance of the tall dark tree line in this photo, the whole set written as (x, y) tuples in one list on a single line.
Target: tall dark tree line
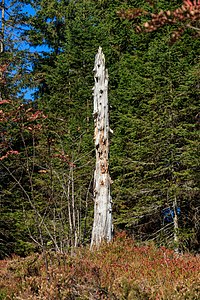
[(154, 107)]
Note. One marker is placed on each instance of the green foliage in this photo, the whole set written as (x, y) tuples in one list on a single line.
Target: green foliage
[(154, 107)]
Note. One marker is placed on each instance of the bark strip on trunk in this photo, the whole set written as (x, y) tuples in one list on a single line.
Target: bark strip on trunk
[(102, 226)]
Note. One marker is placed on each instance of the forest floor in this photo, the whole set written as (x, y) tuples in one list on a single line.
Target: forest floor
[(119, 270)]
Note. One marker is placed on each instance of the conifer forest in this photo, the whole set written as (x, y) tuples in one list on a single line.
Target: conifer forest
[(49, 148)]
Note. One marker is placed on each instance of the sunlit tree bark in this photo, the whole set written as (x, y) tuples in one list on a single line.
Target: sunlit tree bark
[(102, 226)]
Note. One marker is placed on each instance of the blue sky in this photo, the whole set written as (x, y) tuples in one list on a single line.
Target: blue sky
[(29, 92), (31, 12), (13, 33)]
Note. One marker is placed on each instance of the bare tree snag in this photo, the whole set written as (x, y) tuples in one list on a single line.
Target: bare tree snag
[(102, 226), (176, 227)]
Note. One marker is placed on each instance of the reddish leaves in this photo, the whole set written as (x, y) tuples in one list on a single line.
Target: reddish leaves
[(191, 3), (3, 69), (38, 114), (118, 270), (185, 17), (4, 101), (11, 152), (65, 158)]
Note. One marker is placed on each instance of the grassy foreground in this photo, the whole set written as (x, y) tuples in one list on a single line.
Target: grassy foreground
[(120, 270)]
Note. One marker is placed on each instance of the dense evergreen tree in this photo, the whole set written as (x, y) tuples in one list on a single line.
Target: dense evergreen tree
[(161, 133), (154, 111)]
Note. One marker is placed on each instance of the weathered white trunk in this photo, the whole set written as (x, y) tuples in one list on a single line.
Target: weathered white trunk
[(102, 226), (176, 239)]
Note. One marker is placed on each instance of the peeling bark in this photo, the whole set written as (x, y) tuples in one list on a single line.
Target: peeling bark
[(102, 226)]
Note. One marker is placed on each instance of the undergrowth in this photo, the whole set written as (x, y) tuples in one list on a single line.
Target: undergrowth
[(118, 270)]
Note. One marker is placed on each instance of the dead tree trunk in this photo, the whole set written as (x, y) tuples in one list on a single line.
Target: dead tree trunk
[(102, 226), (176, 227)]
